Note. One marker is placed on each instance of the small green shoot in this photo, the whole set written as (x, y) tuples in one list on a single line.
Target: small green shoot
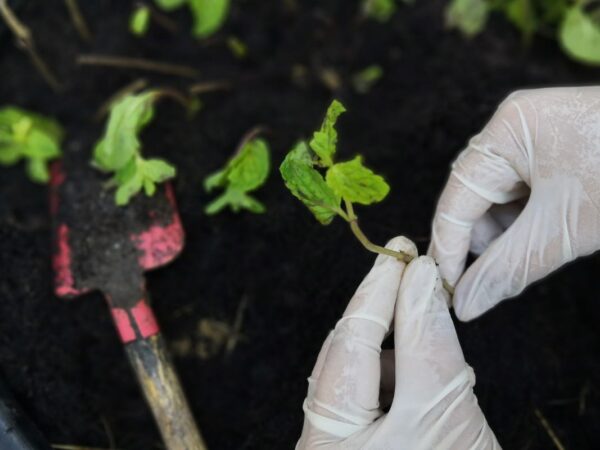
[(469, 16), (344, 183), (140, 21), (208, 15), (379, 10), (245, 172), (364, 80), (119, 150), (237, 47), (31, 137)]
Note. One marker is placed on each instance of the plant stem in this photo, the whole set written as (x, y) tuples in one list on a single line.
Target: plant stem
[(25, 41), (131, 88), (352, 219), (78, 20), (364, 240), (173, 94), (148, 65)]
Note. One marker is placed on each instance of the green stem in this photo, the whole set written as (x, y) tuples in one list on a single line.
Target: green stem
[(352, 219), (364, 240)]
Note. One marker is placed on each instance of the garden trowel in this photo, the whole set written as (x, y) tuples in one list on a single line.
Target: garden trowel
[(104, 247)]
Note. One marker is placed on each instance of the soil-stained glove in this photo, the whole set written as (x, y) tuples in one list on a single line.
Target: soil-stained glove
[(433, 404), (542, 147)]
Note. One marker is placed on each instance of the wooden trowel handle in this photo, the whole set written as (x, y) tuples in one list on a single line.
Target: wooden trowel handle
[(163, 392)]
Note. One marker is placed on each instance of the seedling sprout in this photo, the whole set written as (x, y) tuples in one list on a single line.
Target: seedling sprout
[(31, 137), (344, 184), (119, 151), (245, 172)]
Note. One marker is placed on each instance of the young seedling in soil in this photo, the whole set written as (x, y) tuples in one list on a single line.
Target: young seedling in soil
[(139, 21), (365, 79), (143, 15), (31, 137), (245, 172), (119, 151), (208, 15), (344, 184), (380, 10), (574, 23)]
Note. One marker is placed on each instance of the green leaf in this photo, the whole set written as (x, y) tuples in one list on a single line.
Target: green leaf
[(120, 143), (245, 172), (140, 21), (10, 153), (215, 180), (170, 5), (380, 10), (149, 187), (11, 115), (41, 146), (469, 16), (31, 136), (522, 15), (308, 185), (250, 168), (354, 182), (37, 169), (209, 15), (364, 80), (128, 189), (580, 36), (236, 200), (156, 170), (324, 141)]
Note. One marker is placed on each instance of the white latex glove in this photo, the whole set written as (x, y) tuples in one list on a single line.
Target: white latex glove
[(433, 406), (542, 144)]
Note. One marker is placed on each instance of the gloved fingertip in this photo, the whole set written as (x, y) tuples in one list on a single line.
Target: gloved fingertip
[(398, 244), (418, 283), (469, 300)]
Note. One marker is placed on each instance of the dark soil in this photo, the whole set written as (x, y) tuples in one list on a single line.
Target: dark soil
[(63, 360)]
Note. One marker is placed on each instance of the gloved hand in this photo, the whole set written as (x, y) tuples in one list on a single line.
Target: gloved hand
[(543, 147), (433, 404)]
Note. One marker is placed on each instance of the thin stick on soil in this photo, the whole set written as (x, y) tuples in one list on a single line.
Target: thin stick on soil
[(209, 86), (132, 87), (77, 447), (78, 20), (148, 65), (25, 42), (549, 431), (236, 329)]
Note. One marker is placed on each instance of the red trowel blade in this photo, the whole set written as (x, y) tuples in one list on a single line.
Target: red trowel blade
[(83, 255)]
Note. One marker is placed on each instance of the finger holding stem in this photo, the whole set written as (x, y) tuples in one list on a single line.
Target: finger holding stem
[(352, 219)]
